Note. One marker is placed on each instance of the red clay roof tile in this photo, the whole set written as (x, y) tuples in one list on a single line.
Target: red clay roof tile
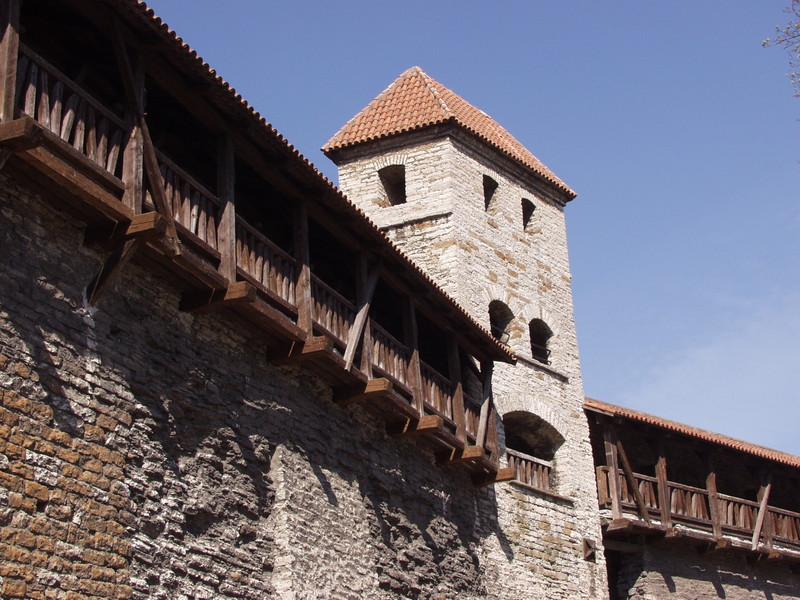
[(709, 436), (415, 100)]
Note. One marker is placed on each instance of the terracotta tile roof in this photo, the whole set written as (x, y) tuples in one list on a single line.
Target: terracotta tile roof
[(415, 100), (219, 93), (695, 432)]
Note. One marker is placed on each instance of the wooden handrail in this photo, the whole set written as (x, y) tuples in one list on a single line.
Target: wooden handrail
[(193, 183), (522, 455)]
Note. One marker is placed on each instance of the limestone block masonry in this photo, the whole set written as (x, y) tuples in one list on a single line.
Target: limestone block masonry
[(478, 255)]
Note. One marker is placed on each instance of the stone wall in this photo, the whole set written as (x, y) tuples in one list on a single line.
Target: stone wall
[(479, 255), (661, 570), (149, 453)]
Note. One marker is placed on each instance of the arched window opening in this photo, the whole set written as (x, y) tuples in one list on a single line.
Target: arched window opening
[(540, 336), (500, 317), (393, 179), (489, 188), (527, 212), (531, 445)]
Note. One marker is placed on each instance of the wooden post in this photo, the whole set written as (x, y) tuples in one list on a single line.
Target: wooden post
[(626, 467), (412, 342), (454, 366), (763, 505), (226, 231), (486, 403), (613, 472), (663, 485), (713, 497), (366, 285), (303, 255), (133, 154), (366, 346), (9, 51)]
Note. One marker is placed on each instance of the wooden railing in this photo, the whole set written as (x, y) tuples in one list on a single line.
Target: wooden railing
[(265, 263), (331, 311), (193, 206), (692, 505), (62, 107), (530, 471), (389, 355), (437, 391), (472, 417)]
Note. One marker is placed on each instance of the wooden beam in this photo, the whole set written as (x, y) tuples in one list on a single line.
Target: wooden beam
[(20, 134), (499, 476), (412, 342), (303, 255), (454, 366), (374, 388), (413, 427), (456, 455), (239, 292), (664, 499), (357, 328), (637, 495), (226, 230), (713, 497), (142, 228), (763, 507), (624, 547), (9, 51), (151, 167), (486, 403), (133, 153), (612, 461), (299, 351)]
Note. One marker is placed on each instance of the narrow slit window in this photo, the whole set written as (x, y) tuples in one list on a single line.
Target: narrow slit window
[(527, 212), (489, 189), (393, 179), (540, 336)]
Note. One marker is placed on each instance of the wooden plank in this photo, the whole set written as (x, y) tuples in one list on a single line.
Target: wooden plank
[(360, 321), (133, 152), (302, 255), (414, 427), (499, 476), (226, 231), (21, 134), (713, 497), (602, 484), (486, 403), (763, 502), (612, 462), (626, 467), (9, 51), (412, 343), (663, 484), (372, 389), (304, 350), (454, 366), (239, 292)]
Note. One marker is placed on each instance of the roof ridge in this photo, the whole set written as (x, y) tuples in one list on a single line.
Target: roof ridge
[(429, 81)]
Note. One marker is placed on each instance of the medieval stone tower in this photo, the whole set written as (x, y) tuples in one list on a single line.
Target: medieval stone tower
[(485, 217)]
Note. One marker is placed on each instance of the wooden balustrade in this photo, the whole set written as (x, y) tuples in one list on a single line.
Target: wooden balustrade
[(390, 357), (438, 392), (193, 206), (692, 505), (531, 471), (62, 107), (331, 311), (472, 417), (265, 263)]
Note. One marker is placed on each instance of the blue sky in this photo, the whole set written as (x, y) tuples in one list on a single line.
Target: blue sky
[(676, 128)]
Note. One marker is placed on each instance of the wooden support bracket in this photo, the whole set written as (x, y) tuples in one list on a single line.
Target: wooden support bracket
[(412, 427), (20, 134), (374, 388), (299, 351), (240, 292), (504, 474), (143, 227), (456, 455)]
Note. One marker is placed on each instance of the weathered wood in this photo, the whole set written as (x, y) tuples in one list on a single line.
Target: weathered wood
[(499, 476), (412, 427), (357, 328), (239, 292), (151, 167), (9, 51), (763, 505), (303, 257), (21, 134), (612, 462), (412, 342), (454, 366), (374, 388), (141, 229), (299, 351), (133, 153), (713, 497), (226, 231), (663, 484), (486, 403), (637, 494)]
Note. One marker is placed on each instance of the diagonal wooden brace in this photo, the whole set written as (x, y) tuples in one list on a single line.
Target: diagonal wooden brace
[(143, 227)]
